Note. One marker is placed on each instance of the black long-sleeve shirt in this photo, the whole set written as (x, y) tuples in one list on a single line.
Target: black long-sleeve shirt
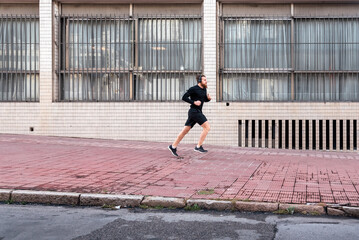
[(196, 93)]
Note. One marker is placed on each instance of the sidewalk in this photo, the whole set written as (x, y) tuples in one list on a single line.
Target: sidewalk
[(147, 168)]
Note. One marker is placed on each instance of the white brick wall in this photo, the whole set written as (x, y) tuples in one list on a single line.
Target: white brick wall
[(46, 70), (209, 45), (156, 121), (148, 121), (45, 51)]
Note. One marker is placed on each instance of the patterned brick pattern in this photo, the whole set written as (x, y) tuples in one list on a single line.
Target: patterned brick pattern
[(148, 168)]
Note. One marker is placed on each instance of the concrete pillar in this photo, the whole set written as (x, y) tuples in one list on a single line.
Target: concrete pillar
[(210, 45), (250, 134), (243, 132), (283, 134), (46, 64), (46, 68), (351, 135), (276, 140), (317, 134), (311, 134), (297, 134), (263, 134), (256, 133), (331, 135), (338, 135), (290, 135), (345, 135), (270, 134), (324, 134)]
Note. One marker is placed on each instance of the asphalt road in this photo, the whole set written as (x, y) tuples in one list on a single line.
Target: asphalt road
[(59, 222)]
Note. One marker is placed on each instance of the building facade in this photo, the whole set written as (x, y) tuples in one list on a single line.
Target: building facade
[(282, 74)]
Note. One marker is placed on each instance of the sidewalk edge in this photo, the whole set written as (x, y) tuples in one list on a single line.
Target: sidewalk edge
[(5, 195), (86, 199)]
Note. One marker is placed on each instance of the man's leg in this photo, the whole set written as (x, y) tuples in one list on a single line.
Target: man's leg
[(204, 133), (180, 136)]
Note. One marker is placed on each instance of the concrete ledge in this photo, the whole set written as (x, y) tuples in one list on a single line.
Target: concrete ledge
[(303, 209), (335, 212), (5, 195), (352, 211), (164, 202), (65, 198), (61, 198), (256, 206), (113, 200), (210, 204)]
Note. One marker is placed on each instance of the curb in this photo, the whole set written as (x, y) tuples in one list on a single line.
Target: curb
[(45, 197), (84, 199), (352, 211), (303, 209), (111, 200), (5, 195), (219, 205), (335, 212), (256, 206), (164, 202)]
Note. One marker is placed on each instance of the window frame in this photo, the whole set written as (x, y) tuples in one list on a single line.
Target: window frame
[(292, 70), (134, 71), (24, 74)]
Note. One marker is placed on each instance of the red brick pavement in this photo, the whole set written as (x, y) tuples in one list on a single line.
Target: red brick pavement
[(148, 168)]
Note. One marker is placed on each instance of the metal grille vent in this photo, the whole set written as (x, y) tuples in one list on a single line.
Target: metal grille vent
[(333, 134)]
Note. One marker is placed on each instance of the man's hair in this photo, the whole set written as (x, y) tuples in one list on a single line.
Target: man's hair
[(199, 77)]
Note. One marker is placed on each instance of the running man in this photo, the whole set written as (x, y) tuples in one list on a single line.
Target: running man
[(195, 96)]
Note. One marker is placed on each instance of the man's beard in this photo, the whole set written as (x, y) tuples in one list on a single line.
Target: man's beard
[(204, 85)]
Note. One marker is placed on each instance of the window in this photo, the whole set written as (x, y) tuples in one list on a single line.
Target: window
[(95, 58), (296, 59), (169, 57), (19, 58), (128, 58), (256, 60), (327, 62)]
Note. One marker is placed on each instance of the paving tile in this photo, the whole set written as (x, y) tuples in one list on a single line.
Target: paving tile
[(147, 168), (271, 196), (285, 197), (299, 197)]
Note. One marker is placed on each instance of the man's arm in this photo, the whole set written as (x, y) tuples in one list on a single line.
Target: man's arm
[(208, 97), (186, 97)]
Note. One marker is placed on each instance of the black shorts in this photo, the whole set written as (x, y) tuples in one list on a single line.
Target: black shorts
[(195, 116)]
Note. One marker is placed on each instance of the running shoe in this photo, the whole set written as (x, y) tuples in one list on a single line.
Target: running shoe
[(173, 150), (200, 149)]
